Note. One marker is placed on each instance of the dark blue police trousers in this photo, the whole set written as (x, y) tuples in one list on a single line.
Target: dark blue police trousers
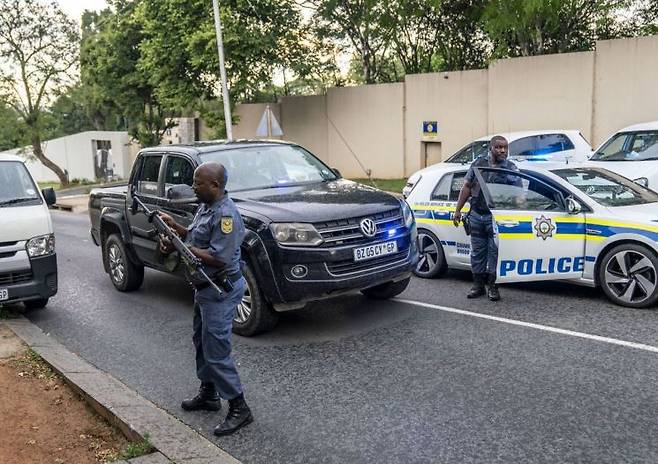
[(213, 322), (484, 249)]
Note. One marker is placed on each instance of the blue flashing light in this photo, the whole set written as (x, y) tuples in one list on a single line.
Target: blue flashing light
[(391, 232)]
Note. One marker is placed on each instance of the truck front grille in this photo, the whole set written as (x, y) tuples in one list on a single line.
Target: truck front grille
[(15, 277), (348, 231)]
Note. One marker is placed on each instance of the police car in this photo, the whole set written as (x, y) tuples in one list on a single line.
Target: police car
[(570, 222), (631, 152), (538, 145)]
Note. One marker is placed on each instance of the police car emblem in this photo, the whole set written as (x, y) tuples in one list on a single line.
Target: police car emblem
[(227, 225), (544, 227)]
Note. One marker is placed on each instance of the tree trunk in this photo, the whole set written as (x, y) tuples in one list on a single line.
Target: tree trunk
[(38, 152)]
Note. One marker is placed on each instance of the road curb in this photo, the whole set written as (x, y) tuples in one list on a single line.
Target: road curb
[(122, 406)]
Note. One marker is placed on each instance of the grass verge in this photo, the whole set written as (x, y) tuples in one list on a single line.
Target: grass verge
[(390, 185)]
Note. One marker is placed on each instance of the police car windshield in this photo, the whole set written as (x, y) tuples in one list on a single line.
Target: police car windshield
[(269, 166), (470, 152), (16, 186), (606, 187)]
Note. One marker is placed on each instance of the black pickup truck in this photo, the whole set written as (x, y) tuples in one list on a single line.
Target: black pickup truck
[(310, 233)]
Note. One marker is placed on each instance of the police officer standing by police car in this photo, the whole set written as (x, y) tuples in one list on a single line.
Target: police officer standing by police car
[(484, 249), (214, 236)]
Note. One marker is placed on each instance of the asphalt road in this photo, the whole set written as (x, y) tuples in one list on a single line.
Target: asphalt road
[(358, 381)]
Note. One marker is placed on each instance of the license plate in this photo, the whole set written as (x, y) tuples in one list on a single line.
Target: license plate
[(375, 251), (4, 294)]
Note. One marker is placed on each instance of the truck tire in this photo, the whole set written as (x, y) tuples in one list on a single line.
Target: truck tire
[(254, 314), (387, 290), (124, 274), (35, 304)]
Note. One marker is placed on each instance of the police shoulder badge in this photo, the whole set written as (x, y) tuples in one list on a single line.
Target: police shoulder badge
[(227, 224), (544, 227)]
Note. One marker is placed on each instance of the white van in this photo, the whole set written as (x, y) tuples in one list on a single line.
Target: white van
[(28, 263)]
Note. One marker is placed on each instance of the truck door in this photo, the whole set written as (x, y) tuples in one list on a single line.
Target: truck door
[(538, 239), (178, 176), (147, 186)]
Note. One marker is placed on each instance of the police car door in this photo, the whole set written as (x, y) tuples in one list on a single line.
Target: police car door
[(537, 238)]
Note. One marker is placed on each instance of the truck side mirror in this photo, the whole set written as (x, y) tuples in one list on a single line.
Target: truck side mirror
[(181, 193), (337, 172), (49, 196)]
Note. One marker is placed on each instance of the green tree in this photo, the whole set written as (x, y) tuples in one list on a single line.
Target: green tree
[(179, 50), (113, 82), (535, 27), (39, 49), (12, 131), (362, 26)]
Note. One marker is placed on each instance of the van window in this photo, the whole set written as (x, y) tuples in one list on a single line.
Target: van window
[(16, 185)]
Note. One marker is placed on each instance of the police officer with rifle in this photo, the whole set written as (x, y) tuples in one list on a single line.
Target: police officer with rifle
[(213, 239)]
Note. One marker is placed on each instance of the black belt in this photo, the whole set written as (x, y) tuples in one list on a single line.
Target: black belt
[(220, 281)]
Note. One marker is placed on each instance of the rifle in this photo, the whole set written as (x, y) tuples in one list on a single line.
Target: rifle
[(193, 263)]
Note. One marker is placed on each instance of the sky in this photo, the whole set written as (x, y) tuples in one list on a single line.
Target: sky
[(74, 8)]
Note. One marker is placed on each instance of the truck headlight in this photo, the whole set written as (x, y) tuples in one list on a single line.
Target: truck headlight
[(295, 234), (41, 245), (408, 214)]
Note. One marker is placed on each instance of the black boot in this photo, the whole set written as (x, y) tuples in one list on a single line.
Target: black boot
[(478, 286), (493, 293), (238, 416), (207, 399)]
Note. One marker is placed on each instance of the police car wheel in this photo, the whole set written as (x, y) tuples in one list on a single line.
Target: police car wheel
[(387, 290), (628, 275), (254, 314), (125, 275), (432, 261)]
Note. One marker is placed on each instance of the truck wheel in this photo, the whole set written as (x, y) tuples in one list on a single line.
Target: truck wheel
[(254, 314), (387, 290), (35, 304), (125, 275), (628, 276), (432, 262)]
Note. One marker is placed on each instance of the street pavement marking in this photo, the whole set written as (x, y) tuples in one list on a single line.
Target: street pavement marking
[(546, 328)]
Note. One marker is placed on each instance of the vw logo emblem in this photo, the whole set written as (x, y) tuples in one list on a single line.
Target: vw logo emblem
[(368, 227)]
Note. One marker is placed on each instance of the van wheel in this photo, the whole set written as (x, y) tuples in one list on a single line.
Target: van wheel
[(254, 314), (432, 262), (387, 290), (628, 276), (36, 304), (125, 275)]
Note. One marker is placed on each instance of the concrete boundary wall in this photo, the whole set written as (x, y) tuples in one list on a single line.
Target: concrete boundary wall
[(596, 93)]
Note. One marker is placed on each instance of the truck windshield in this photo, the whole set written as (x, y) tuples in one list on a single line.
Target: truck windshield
[(269, 166), (16, 185), (606, 187)]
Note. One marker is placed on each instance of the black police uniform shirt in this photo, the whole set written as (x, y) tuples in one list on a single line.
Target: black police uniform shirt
[(477, 200), (217, 228)]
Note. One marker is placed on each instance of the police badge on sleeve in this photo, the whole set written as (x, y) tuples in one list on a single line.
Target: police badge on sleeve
[(227, 224)]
